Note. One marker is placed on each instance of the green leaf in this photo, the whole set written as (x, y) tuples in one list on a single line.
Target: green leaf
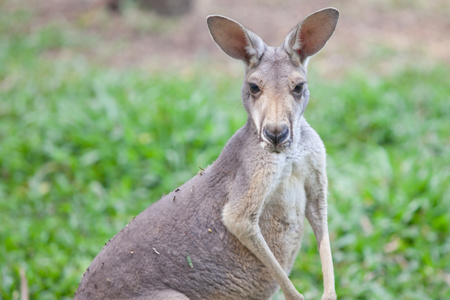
[(188, 258)]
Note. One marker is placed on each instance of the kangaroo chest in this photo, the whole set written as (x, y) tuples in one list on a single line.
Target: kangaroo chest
[(282, 218)]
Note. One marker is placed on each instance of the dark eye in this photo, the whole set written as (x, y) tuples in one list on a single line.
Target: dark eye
[(298, 88), (254, 89)]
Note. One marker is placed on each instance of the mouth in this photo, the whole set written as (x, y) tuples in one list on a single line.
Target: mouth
[(276, 148)]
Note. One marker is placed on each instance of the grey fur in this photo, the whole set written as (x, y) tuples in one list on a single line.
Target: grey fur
[(234, 230)]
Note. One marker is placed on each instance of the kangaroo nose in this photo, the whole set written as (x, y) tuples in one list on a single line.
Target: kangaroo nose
[(276, 135)]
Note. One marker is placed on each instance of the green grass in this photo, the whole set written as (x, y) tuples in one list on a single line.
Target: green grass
[(389, 165), (84, 148)]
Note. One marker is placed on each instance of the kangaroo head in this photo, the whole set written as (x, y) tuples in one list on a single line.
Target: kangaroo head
[(275, 91)]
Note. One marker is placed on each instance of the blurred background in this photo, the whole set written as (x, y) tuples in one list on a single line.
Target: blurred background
[(106, 105)]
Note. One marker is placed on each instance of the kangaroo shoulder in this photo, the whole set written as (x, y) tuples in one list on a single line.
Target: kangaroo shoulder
[(310, 140)]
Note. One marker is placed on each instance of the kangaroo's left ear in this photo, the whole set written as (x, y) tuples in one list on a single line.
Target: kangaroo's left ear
[(312, 33)]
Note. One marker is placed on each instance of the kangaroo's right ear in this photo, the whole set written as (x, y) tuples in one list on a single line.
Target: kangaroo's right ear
[(235, 40)]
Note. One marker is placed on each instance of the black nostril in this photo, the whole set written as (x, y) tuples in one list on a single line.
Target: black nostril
[(275, 136), (283, 135), (271, 136)]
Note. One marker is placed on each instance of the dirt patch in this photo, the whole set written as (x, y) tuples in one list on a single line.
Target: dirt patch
[(382, 33)]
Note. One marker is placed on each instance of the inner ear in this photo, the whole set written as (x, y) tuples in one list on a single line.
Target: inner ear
[(235, 40), (312, 33), (229, 36)]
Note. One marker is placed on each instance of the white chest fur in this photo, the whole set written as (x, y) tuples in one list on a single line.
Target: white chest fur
[(282, 218)]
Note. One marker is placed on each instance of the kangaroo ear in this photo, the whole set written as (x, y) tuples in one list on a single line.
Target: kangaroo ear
[(312, 33), (235, 40)]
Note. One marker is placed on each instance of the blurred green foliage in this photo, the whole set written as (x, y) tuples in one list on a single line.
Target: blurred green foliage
[(84, 148)]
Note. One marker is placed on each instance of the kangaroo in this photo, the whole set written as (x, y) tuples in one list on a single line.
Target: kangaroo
[(234, 230)]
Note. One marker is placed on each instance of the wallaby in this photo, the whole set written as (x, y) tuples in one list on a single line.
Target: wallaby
[(233, 231)]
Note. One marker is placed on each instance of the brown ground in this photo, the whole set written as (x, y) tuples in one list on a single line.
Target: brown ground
[(378, 33)]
